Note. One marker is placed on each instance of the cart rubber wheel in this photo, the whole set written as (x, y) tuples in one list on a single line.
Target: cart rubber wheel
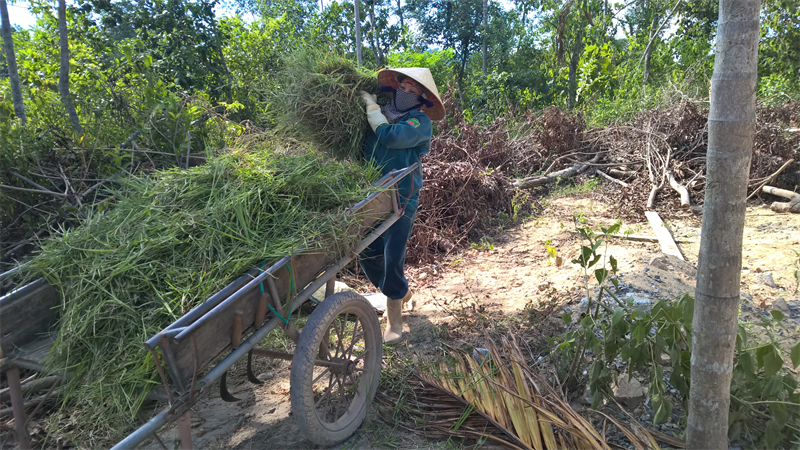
[(330, 400)]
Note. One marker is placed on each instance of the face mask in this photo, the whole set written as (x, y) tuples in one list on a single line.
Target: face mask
[(406, 101), (402, 103)]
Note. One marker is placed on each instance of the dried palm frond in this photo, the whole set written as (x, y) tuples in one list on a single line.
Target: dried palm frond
[(500, 399)]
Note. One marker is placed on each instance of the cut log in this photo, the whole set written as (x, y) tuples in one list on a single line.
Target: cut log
[(793, 205), (680, 189), (532, 182), (668, 245)]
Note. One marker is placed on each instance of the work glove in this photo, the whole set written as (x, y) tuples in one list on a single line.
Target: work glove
[(374, 115), (371, 100)]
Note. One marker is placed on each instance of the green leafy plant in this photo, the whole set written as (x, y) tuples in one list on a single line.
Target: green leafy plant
[(576, 342), (484, 244), (765, 404)]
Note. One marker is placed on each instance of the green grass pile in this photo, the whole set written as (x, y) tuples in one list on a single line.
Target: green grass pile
[(171, 241), (318, 99)]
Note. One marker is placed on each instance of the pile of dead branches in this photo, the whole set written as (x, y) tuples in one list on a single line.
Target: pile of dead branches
[(469, 174), (457, 201), (659, 159), (474, 174)]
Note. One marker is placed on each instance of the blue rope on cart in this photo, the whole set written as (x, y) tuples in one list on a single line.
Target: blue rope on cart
[(288, 295)]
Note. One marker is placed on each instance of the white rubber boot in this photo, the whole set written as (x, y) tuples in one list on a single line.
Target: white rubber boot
[(394, 322), (394, 319)]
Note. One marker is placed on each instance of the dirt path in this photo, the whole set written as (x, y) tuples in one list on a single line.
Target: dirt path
[(498, 280)]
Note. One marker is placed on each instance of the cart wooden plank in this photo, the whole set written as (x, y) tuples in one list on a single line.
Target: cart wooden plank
[(26, 315)]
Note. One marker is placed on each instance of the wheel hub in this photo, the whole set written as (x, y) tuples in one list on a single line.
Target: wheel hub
[(343, 366)]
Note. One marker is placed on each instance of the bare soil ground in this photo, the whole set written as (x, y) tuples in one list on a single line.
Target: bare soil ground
[(505, 282)]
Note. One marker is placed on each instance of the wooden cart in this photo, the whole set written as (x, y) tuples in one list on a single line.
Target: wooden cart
[(337, 360)]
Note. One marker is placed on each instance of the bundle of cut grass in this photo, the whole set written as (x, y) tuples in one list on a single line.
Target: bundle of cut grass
[(170, 242), (318, 99)]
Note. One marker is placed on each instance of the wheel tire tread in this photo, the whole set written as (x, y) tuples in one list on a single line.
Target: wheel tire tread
[(303, 363)]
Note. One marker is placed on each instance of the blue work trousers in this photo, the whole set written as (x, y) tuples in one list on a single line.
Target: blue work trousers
[(384, 259)]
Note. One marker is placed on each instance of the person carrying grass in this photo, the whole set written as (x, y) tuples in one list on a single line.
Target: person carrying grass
[(399, 134)]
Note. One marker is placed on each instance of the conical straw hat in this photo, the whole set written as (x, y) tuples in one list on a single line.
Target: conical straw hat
[(388, 77)]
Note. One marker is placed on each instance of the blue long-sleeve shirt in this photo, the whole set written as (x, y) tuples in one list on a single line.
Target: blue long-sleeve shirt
[(399, 145)]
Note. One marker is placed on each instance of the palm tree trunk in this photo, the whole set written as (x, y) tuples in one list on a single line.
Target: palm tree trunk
[(731, 127), (63, 77), (11, 60)]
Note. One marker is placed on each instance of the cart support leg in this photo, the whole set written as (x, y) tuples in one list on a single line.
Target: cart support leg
[(18, 407), (330, 286), (324, 352), (185, 430)]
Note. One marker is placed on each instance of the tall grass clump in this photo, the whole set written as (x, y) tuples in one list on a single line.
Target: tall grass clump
[(317, 98), (169, 242)]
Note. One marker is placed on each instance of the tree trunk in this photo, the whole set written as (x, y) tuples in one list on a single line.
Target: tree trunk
[(654, 32), (400, 13), (381, 54), (649, 50), (373, 34), (577, 49), (460, 81), (483, 34), (356, 6), (228, 90), (11, 60), (731, 126), (63, 77)]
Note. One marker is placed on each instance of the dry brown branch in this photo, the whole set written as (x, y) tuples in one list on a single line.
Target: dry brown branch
[(550, 167), (610, 178), (770, 178), (686, 202), (793, 205), (30, 404), (35, 191), (651, 198), (31, 182), (69, 187), (620, 173), (32, 386), (531, 182)]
